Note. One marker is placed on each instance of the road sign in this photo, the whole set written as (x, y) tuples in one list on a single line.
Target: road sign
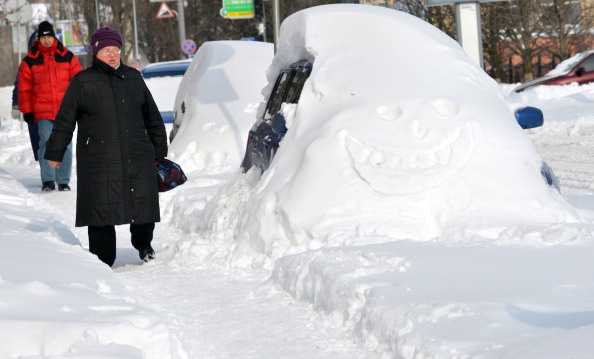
[(238, 9), (188, 47), (164, 11)]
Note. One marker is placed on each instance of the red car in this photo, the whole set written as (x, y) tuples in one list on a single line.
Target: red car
[(579, 68)]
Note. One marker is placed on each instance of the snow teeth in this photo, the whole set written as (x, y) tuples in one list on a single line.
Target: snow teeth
[(406, 170)]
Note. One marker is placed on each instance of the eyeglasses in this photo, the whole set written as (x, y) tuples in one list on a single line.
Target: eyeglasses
[(106, 52)]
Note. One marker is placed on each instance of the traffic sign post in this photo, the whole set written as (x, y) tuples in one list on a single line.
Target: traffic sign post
[(164, 11), (469, 33), (188, 47)]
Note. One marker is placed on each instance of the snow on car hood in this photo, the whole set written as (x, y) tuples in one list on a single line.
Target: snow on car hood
[(398, 134)]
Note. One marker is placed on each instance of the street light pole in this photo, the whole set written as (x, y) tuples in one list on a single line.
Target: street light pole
[(135, 35), (275, 22), (97, 14), (182, 27)]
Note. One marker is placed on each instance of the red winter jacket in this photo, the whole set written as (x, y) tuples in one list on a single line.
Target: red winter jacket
[(44, 76)]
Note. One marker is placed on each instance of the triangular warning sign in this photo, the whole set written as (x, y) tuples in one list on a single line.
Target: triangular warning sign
[(164, 11)]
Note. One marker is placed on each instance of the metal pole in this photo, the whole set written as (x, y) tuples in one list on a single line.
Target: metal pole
[(135, 35), (97, 14), (182, 27), (18, 27), (275, 22), (263, 21)]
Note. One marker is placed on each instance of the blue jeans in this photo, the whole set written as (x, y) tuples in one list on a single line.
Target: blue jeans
[(49, 174)]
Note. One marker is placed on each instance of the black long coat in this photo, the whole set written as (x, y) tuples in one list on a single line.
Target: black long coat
[(120, 134)]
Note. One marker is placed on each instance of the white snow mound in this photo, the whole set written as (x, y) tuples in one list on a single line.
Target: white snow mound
[(385, 142)]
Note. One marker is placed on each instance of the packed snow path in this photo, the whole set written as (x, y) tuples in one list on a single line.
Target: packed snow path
[(216, 312)]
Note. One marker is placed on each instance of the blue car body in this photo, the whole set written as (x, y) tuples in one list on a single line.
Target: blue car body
[(167, 68)]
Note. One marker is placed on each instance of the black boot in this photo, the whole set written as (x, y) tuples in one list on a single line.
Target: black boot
[(48, 186), (63, 187), (142, 236), (146, 254), (102, 243)]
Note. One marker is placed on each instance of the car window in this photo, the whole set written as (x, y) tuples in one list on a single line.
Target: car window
[(588, 64), (276, 98), (294, 90), (287, 90)]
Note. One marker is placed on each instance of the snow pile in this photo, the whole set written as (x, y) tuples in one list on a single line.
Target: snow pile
[(416, 143), (57, 299), (216, 102)]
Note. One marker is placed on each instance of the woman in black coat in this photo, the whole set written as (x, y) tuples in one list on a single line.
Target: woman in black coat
[(120, 135)]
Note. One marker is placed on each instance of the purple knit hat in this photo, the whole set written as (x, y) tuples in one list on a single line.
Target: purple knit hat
[(104, 37)]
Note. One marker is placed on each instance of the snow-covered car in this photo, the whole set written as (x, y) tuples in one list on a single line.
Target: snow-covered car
[(265, 136), (163, 79), (402, 131), (216, 102), (577, 69)]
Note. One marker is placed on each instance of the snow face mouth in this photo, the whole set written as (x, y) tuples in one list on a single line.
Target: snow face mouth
[(406, 170)]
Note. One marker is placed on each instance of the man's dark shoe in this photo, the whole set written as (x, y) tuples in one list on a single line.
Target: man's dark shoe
[(48, 186), (146, 254), (63, 187)]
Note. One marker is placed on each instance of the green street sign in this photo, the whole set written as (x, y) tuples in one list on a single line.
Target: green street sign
[(238, 9)]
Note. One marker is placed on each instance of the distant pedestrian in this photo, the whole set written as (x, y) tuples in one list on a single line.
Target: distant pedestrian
[(120, 136), (44, 75), (16, 113)]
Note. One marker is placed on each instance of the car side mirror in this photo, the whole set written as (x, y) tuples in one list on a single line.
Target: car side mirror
[(580, 71), (529, 117), (279, 124)]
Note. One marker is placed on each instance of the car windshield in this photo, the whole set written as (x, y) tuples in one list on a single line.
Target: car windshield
[(588, 64), (568, 65)]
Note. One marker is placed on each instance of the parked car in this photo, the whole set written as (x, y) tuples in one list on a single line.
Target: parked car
[(163, 79), (266, 134), (216, 102), (577, 69), (394, 133)]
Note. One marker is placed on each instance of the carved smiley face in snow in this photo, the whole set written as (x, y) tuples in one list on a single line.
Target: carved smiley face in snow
[(415, 151)]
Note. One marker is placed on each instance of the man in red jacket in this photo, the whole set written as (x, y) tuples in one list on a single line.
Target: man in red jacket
[(44, 76)]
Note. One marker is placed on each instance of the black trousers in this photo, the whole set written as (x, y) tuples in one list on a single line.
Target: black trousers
[(102, 240)]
